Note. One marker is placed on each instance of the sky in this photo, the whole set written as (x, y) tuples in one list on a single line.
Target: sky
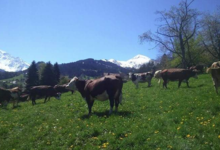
[(65, 31)]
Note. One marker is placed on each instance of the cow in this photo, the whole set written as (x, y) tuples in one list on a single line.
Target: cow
[(43, 90), (141, 77), (177, 74), (9, 94), (62, 88), (122, 75), (157, 75), (104, 88), (215, 73), (197, 67)]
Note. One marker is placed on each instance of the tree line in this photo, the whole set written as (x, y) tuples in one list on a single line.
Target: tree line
[(187, 36), (44, 74)]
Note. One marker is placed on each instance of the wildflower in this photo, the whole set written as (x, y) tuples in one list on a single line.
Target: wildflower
[(156, 132), (213, 125), (113, 133), (169, 146), (148, 139), (219, 136), (126, 135), (121, 138), (188, 135), (71, 146), (178, 128)]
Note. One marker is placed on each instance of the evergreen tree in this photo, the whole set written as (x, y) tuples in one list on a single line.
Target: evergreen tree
[(47, 76), (32, 76), (56, 72)]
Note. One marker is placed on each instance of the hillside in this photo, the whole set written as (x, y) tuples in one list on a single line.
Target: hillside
[(150, 118), (90, 67)]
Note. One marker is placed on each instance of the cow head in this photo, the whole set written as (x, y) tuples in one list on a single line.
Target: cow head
[(194, 74), (57, 96), (72, 84)]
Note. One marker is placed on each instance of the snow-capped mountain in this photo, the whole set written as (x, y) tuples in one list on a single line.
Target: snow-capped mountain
[(10, 63), (135, 62)]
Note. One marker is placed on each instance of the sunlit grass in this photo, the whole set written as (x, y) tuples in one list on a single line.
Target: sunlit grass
[(150, 118)]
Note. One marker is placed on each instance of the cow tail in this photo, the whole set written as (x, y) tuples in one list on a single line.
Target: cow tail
[(208, 70), (159, 81)]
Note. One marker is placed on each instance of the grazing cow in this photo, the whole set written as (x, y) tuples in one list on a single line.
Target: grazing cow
[(62, 88), (215, 72), (7, 94), (197, 67), (122, 75), (141, 77), (157, 75), (177, 74), (43, 90), (104, 88)]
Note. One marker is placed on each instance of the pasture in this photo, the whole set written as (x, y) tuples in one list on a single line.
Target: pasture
[(150, 118)]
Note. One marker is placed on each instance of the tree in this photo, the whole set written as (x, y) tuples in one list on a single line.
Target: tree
[(32, 76), (211, 33), (56, 71), (178, 26), (47, 76)]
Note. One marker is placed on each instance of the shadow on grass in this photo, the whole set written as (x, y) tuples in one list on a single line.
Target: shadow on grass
[(106, 114)]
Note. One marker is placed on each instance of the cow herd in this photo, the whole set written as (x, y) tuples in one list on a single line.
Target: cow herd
[(109, 87)]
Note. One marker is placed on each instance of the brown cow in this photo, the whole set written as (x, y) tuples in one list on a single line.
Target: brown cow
[(43, 90), (62, 88), (215, 72), (124, 76), (9, 94), (177, 74), (197, 67), (104, 88)]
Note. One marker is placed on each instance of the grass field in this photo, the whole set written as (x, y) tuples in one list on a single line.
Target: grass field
[(150, 118)]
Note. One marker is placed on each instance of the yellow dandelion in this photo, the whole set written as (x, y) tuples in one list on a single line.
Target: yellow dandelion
[(188, 135), (113, 133), (178, 128), (169, 146), (156, 132), (126, 135), (71, 146), (219, 136), (121, 138), (148, 139), (213, 125), (181, 122)]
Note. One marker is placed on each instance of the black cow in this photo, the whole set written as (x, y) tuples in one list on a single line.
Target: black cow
[(141, 77), (104, 88)]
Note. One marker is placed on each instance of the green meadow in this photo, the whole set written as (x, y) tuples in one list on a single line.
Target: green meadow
[(150, 118)]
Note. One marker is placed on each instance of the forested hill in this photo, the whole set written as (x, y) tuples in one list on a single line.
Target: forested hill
[(90, 67)]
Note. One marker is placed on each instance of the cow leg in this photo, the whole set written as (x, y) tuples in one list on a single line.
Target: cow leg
[(33, 100), (179, 83), (187, 83), (45, 99), (90, 104), (165, 83)]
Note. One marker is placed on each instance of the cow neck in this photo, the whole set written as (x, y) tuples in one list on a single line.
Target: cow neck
[(80, 85)]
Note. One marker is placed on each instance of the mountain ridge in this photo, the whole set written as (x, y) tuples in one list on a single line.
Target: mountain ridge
[(10, 63)]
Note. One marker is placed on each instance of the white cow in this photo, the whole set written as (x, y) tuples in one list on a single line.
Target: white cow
[(215, 72)]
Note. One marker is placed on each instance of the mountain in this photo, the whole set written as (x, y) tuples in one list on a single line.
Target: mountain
[(136, 62), (10, 63), (90, 67)]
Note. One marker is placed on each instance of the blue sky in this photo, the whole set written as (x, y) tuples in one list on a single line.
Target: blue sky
[(65, 31)]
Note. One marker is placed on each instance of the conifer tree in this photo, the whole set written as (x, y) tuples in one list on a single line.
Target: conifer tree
[(32, 76), (56, 72), (47, 76)]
